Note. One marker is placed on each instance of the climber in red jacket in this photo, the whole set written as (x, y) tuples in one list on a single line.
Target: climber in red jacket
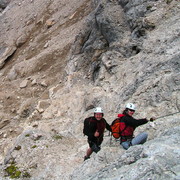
[(127, 135)]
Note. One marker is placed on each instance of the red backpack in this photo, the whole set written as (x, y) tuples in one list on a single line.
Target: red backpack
[(118, 127)]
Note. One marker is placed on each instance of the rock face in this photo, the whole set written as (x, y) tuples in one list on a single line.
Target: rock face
[(60, 59), (153, 160)]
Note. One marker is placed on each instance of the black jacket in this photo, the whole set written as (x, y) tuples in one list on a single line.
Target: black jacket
[(130, 121), (91, 125)]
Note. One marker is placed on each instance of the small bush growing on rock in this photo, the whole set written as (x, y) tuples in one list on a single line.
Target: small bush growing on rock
[(57, 136), (13, 171), (34, 146)]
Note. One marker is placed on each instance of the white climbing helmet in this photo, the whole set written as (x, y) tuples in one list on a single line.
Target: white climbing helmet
[(98, 110), (131, 106)]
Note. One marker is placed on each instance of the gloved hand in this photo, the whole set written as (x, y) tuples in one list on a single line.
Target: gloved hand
[(152, 119)]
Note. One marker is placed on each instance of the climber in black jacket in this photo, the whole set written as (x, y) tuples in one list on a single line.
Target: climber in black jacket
[(94, 128)]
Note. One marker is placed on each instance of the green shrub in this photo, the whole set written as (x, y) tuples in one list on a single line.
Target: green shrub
[(13, 171), (34, 146), (57, 137)]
